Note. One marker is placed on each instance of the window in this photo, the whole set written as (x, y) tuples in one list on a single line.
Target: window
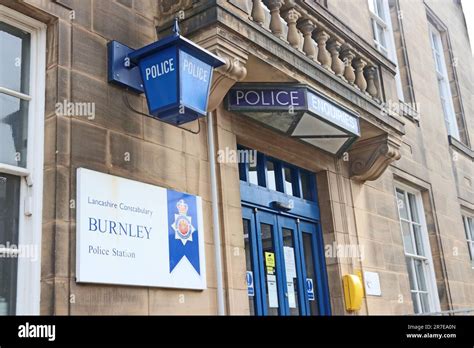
[(383, 35), (22, 70), (279, 176), (443, 82), (417, 251), (469, 228)]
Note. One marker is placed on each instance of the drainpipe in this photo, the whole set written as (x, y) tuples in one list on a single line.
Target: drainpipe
[(215, 215)]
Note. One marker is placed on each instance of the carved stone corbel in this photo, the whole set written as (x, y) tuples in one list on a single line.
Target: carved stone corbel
[(231, 49), (224, 78), (371, 157)]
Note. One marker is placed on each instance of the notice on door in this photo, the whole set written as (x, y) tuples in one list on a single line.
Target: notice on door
[(272, 291), (290, 266), (290, 288), (269, 259)]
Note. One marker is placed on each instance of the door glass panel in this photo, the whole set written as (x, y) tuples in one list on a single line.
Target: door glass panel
[(14, 58), (310, 273), (271, 284), (306, 186), (13, 130), (288, 181), (292, 290), (271, 176), (248, 260), (253, 175)]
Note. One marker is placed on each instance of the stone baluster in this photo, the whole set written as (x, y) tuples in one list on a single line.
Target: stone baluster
[(323, 55), (291, 17), (347, 57), (258, 12), (334, 47), (371, 72), (309, 47), (276, 26), (360, 81)]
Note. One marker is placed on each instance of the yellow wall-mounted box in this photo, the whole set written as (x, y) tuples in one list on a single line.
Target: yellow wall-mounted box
[(353, 292)]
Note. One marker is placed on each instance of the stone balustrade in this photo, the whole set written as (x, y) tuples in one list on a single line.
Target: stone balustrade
[(304, 32)]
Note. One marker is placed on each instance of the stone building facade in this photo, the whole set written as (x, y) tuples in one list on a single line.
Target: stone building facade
[(402, 195)]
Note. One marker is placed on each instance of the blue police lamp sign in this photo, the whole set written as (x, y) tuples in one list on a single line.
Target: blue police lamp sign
[(132, 233), (159, 70), (174, 73)]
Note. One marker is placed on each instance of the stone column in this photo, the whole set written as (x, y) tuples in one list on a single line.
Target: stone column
[(258, 12), (347, 57), (309, 48), (323, 55), (360, 81), (276, 26), (371, 72), (337, 66), (291, 17)]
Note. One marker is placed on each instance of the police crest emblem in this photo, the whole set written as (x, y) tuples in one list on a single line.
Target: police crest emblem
[(182, 224)]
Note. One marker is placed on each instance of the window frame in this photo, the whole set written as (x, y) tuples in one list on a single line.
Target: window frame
[(386, 24), (31, 188), (279, 168), (444, 87), (468, 222), (427, 259)]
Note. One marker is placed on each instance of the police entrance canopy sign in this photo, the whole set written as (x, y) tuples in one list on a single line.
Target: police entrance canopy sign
[(133, 233), (299, 112)]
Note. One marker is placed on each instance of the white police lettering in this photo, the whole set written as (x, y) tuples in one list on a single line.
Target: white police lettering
[(267, 98), (329, 111), (195, 70), (159, 69)]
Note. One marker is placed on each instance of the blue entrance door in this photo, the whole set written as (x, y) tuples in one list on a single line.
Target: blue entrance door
[(285, 265)]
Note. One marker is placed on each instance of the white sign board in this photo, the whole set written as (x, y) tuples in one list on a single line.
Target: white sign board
[(133, 233), (372, 284)]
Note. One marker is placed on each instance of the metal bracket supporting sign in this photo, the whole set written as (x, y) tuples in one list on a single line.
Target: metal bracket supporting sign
[(118, 72)]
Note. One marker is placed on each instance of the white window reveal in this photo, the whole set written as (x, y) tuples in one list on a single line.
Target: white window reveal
[(469, 228), (383, 36), (419, 261), (22, 75), (443, 83)]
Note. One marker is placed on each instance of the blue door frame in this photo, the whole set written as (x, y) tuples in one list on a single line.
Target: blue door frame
[(256, 217), (284, 196)]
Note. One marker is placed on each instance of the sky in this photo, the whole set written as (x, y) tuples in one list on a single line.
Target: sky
[(468, 7)]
